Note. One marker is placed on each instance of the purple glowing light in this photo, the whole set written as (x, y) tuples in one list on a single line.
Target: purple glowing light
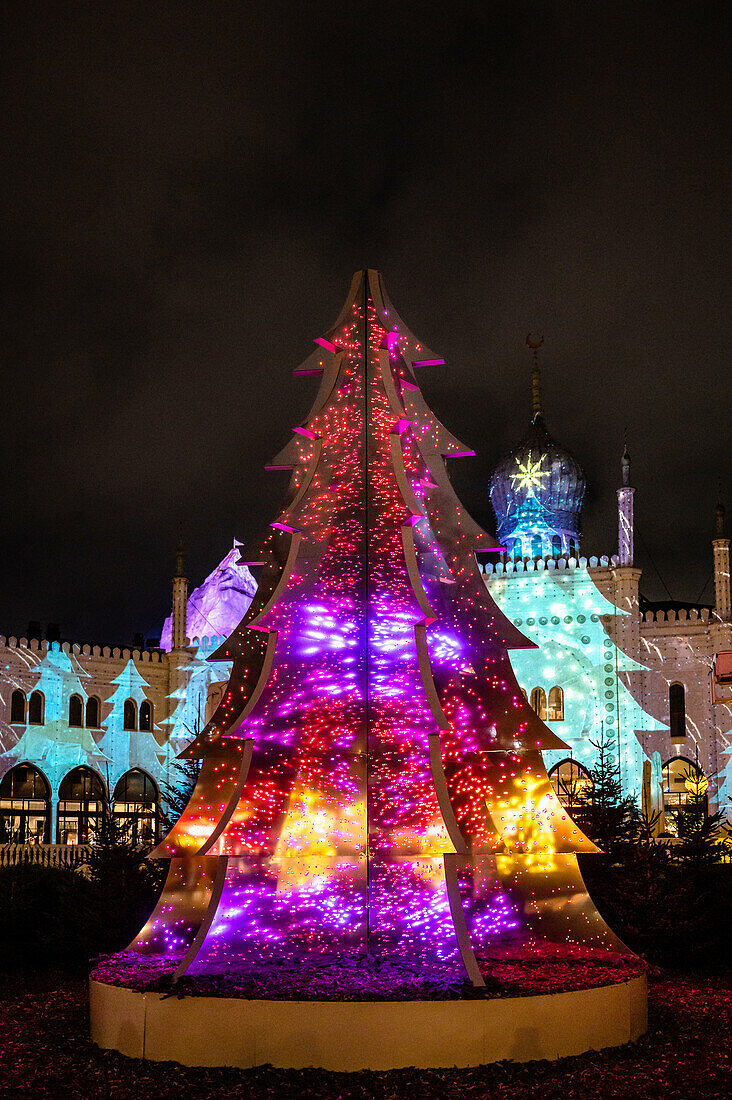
[(370, 628)]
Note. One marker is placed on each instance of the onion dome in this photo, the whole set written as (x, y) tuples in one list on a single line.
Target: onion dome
[(537, 490)]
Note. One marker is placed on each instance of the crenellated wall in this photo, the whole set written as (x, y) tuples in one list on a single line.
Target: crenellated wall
[(538, 565), (81, 649)]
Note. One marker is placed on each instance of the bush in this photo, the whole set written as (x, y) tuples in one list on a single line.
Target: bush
[(125, 885), (45, 916), (662, 910), (57, 917)]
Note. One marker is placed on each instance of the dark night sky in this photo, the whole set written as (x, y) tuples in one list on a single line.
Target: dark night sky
[(188, 189)]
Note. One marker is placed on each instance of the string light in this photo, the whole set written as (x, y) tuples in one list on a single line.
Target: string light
[(371, 627)]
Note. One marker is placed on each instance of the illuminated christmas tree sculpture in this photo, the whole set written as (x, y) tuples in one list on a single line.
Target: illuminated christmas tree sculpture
[(372, 781)]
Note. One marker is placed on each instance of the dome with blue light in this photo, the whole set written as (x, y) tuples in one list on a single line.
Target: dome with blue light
[(537, 491)]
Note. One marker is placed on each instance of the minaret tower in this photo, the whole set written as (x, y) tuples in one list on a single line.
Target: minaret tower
[(722, 601), (180, 599), (625, 512)]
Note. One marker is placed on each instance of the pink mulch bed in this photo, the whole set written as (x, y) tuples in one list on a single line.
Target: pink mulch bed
[(523, 971)]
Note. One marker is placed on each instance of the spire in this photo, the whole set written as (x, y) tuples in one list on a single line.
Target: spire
[(535, 342), (719, 517), (625, 464), (180, 559)]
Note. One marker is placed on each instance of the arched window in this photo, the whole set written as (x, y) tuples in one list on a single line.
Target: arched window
[(525, 694), (92, 713), (136, 806), (76, 711), (81, 799), (146, 715), (538, 702), (572, 785), (17, 707), (130, 714), (556, 546), (25, 806), (555, 705), (36, 708), (536, 546), (677, 712), (684, 793), (518, 550), (572, 548)]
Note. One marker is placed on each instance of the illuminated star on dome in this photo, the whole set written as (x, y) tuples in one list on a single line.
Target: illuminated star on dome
[(530, 475)]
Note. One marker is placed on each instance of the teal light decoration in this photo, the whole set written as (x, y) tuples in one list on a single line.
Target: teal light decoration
[(561, 611)]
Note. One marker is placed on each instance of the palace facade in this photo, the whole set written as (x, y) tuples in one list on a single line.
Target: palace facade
[(82, 726)]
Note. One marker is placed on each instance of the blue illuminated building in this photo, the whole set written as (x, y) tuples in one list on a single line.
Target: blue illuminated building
[(537, 491), (649, 678)]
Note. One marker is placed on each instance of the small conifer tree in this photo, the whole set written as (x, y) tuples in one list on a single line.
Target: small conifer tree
[(608, 816)]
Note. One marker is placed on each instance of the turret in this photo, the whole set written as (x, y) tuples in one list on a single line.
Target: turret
[(720, 545), (537, 489), (180, 600), (625, 512)]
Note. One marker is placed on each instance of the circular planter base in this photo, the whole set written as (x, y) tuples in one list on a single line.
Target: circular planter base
[(354, 1035)]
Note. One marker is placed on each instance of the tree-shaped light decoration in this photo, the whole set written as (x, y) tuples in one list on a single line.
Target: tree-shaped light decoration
[(131, 747), (372, 780), (56, 746), (578, 647)]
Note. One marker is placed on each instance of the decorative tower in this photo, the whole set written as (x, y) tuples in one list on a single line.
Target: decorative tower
[(722, 602), (180, 599), (625, 512), (537, 489)]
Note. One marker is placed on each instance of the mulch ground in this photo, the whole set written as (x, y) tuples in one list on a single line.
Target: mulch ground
[(515, 970), (45, 1052)]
